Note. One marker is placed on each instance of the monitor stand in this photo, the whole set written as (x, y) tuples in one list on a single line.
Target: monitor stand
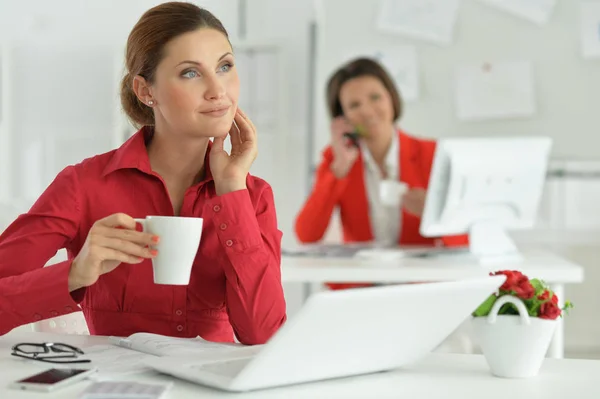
[(490, 244)]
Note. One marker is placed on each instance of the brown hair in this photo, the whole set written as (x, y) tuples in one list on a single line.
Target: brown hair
[(354, 69), (145, 45)]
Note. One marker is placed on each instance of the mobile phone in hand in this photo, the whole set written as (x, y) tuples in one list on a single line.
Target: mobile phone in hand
[(353, 138)]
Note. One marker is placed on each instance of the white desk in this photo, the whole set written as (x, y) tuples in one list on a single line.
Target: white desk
[(554, 270), (438, 376)]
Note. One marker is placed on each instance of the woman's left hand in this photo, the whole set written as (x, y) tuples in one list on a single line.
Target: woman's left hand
[(230, 170), (414, 201)]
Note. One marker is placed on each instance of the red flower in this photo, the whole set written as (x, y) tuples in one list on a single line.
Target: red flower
[(524, 289), (512, 277), (546, 295), (549, 310), (518, 283)]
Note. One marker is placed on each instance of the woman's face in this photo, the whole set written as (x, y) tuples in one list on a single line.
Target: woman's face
[(365, 101), (196, 86)]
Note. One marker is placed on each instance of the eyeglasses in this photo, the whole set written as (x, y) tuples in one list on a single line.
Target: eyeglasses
[(43, 352)]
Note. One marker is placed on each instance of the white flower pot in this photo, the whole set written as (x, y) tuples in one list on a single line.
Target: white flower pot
[(514, 346)]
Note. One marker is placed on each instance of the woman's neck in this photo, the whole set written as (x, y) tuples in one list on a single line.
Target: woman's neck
[(380, 146), (177, 159)]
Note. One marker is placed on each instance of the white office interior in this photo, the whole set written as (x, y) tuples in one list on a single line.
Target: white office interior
[(466, 69)]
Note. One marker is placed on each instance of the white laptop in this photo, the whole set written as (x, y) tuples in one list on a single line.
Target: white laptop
[(346, 333)]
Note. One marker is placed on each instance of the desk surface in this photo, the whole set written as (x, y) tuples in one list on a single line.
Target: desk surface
[(437, 376), (536, 264)]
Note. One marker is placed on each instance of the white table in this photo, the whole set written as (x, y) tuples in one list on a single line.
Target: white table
[(437, 376), (553, 269)]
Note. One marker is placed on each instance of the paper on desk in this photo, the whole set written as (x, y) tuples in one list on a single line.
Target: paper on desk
[(130, 355), (323, 251), (537, 11), (382, 254), (113, 361), (495, 90), (160, 345), (431, 20), (412, 252), (125, 390)]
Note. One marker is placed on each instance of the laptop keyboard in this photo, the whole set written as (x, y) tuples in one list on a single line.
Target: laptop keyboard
[(229, 368)]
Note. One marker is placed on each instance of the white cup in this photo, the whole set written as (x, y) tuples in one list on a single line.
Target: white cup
[(177, 248), (391, 191)]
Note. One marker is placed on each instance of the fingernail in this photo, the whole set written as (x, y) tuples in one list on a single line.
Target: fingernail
[(155, 238), (153, 252)]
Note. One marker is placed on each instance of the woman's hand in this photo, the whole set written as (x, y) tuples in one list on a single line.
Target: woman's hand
[(414, 201), (230, 170), (110, 242), (345, 152)]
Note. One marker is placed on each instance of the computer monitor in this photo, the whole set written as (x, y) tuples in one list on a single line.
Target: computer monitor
[(483, 187)]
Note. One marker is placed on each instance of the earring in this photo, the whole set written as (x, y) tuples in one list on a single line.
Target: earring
[(151, 102)]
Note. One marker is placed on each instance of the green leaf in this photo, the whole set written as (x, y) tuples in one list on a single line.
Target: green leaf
[(361, 130), (485, 308), (533, 306), (539, 286), (568, 305)]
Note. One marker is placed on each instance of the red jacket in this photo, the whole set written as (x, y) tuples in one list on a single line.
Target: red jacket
[(235, 284), (350, 195)]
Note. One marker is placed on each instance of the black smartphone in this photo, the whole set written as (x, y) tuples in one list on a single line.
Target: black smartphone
[(353, 137)]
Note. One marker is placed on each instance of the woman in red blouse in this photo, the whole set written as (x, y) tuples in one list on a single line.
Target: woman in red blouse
[(362, 93), (181, 88)]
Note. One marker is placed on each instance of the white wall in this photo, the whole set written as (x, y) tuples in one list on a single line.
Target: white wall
[(72, 21), (288, 22), (566, 85)]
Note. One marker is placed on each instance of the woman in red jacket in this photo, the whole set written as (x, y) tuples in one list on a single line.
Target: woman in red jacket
[(182, 88), (362, 93)]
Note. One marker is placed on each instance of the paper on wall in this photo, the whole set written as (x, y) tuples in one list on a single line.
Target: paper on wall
[(430, 20), (590, 29), (537, 11), (495, 90)]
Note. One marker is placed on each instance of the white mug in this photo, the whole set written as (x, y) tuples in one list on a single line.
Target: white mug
[(391, 191), (177, 248)]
